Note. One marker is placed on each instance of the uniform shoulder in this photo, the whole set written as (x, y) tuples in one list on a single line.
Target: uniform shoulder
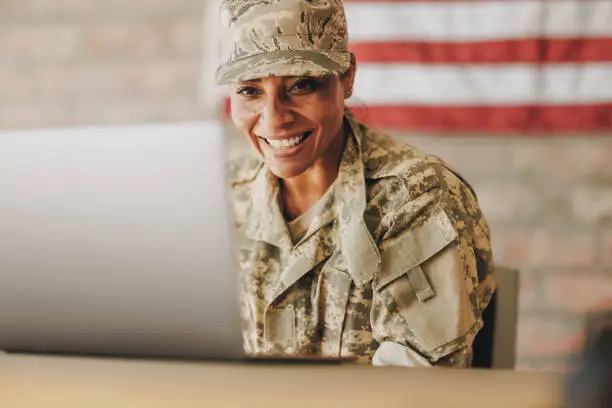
[(403, 182), (243, 169), (390, 161)]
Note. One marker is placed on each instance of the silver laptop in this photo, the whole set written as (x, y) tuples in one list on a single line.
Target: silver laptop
[(117, 241)]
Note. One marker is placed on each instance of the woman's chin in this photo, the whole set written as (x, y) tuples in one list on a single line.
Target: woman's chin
[(285, 170)]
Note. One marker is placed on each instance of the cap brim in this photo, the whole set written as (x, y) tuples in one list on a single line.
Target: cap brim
[(284, 63)]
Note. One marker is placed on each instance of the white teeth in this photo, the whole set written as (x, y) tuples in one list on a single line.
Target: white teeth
[(285, 143)]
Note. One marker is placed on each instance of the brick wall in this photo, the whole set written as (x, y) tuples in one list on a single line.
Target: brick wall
[(76, 62), (548, 200)]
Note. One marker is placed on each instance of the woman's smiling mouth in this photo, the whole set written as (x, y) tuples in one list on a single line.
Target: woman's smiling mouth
[(286, 142)]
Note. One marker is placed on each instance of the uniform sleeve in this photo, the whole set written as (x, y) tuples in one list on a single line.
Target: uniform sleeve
[(394, 354), (436, 278)]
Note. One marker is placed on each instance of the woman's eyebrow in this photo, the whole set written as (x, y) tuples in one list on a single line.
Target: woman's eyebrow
[(251, 81)]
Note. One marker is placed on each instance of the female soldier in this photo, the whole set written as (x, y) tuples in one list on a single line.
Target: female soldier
[(351, 243)]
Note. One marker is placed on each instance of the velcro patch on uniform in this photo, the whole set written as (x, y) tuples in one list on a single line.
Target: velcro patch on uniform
[(414, 246), (280, 326)]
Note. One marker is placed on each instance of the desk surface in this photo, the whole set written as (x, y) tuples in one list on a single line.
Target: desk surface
[(31, 381)]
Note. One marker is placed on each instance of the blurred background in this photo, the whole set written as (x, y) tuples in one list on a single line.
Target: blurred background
[(516, 94)]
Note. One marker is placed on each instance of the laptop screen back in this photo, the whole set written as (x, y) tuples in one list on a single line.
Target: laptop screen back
[(117, 241)]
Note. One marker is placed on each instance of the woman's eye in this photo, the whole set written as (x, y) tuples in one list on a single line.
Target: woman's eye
[(303, 86), (248, 91)]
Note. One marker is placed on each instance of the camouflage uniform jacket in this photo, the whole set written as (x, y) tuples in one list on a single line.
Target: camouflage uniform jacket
[(400, 254)]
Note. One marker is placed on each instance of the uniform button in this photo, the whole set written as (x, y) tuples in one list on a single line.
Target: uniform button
[(373, 164)]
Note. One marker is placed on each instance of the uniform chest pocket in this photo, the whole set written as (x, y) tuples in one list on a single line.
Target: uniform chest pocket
[(423, 270)]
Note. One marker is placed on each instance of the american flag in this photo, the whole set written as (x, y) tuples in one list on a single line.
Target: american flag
[(483, 65)]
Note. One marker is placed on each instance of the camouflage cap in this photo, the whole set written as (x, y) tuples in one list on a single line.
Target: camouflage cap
[(282, 38)]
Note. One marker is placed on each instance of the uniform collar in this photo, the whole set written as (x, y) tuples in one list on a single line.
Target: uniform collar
[(265, 221), (360, 253)]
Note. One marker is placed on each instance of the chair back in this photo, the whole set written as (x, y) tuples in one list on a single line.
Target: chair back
[(495, 344)]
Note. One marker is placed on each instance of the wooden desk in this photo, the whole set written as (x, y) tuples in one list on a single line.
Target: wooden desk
[(28, 382)]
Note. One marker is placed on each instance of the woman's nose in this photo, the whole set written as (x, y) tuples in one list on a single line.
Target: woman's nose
[(276, 114)]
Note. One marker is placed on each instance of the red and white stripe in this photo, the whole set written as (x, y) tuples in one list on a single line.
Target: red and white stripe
[(483, 65)]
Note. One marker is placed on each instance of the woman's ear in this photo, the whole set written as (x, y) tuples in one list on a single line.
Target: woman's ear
[(348, 78)]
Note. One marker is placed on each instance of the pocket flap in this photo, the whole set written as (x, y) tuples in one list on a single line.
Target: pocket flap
[(413, 247)]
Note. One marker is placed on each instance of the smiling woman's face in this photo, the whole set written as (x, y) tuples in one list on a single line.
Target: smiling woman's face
[(291, 121)]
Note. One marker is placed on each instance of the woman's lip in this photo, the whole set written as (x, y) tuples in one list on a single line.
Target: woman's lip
[(287, 152)]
